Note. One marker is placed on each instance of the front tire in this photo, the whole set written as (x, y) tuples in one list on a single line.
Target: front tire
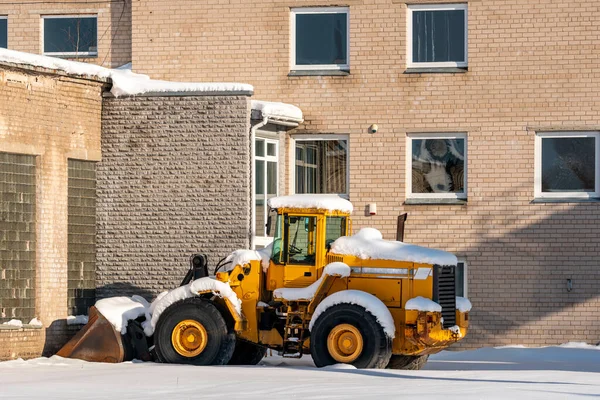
[(348, 333), (193, 331), (407, 362)]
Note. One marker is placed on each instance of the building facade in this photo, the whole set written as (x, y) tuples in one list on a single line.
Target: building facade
[(479, 119)]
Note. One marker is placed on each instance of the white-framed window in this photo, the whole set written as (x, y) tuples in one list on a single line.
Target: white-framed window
[(70, 35), (436, 165), (320, 164), (436, 35), (567, 164), (460, 279), (320, 38), (266, 162), (3, 31)]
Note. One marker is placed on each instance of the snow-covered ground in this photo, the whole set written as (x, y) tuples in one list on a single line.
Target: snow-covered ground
[(494, 373)]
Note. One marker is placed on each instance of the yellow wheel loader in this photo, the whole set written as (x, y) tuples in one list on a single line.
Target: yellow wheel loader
[(359, 300)]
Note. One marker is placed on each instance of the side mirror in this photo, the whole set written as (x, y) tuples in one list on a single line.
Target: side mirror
[(268, 225)]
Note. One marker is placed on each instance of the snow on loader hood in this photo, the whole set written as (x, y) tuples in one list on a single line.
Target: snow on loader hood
[(368, 243)]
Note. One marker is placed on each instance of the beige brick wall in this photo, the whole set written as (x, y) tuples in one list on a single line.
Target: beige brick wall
[(114, 27), (53, 118), (532, 65)]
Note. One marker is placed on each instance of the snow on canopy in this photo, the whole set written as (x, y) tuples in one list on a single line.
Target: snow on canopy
[(366, 300), (330, 202), (125, 82), (307, 293), (422, 304), (368, 243), (272, 109)]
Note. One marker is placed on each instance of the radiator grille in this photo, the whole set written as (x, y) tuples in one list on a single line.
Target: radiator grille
[(444, 293)]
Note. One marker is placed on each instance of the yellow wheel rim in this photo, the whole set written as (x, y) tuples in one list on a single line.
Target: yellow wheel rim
[(189, 338), (345, 343)]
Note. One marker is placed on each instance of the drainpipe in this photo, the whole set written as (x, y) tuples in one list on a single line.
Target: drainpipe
[(253, 180)]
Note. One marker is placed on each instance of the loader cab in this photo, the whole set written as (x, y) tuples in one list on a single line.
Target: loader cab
[(301, 239)]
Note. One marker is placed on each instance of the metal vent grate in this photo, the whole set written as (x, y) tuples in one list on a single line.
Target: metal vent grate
[(333, 258), (444, 292)]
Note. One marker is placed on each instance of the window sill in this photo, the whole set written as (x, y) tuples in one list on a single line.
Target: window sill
[(429, 202), (319, 72), (437, 70), (564, 200)]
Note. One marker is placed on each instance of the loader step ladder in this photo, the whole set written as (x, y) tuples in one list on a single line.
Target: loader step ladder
[(296, 325)]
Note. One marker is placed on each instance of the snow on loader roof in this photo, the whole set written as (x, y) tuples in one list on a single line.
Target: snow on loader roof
[(329, 202)]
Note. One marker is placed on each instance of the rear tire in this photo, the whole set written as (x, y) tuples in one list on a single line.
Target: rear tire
[(373, 349), (214, 344), (407, 362), (247, 353)]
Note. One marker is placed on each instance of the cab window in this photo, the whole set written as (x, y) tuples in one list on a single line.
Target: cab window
[(277, 248), (335, 228), (301, 237)]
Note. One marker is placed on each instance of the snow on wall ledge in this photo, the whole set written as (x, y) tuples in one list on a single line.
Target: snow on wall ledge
[(329, 202), (366, 300), (368, 243), (125, 82)]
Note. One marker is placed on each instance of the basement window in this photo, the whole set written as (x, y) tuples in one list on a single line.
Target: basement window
[(437, 165), (70, 36), (320, 39), (3, 32), (567, 165), (437, 35)]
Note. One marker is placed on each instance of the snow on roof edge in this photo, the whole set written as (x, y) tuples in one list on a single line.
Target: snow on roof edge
[(124, 81), (277, 110)]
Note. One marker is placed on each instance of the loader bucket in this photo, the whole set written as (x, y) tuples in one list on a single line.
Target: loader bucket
[(97, 341)]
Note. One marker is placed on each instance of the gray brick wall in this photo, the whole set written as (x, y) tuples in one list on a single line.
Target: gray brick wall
[(17, 237), (81, 261), (174, 180)]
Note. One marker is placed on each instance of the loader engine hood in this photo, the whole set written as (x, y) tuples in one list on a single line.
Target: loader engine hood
[(368, 243)]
